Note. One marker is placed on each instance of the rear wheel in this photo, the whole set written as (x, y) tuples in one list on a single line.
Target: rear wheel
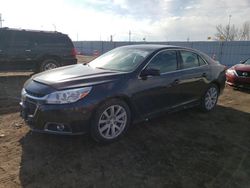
[(111, 121), (210, 98), (48, 65)]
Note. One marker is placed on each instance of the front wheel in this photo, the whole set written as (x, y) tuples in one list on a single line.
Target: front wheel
[(210, 98), (111, 121)]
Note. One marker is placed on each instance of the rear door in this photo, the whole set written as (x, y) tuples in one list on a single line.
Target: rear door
[(195, 74), (19, 50)]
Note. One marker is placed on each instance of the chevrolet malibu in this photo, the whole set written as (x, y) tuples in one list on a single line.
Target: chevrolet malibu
[(127, 84)]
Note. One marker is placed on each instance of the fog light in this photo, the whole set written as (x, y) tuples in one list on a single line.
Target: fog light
[(57, 127)]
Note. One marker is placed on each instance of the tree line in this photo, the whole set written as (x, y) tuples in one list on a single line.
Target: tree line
[(232, 33)]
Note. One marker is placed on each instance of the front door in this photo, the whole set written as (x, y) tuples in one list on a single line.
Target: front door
[(158, 93)]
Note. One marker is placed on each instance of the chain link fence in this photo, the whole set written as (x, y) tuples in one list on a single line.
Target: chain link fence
[(228, 53)]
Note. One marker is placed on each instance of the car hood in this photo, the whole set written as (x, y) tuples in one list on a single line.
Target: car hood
[(242, 67), (76, 76)]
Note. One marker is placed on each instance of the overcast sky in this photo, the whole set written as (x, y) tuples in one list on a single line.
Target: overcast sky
[(156, 20)]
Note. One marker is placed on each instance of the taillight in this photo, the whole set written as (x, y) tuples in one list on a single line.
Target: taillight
[(74, 52)]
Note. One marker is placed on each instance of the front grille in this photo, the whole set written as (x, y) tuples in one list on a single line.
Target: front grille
[(30, 106), (243, 73)]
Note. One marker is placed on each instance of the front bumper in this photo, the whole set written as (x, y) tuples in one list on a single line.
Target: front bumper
[(236, 81), (67, 119)]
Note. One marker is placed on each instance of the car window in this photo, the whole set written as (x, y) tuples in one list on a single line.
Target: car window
[(4, 38), (247, 62), (165, 61), (20, 39), (189, 60), (121, 59), (201, 61), (48, 39)]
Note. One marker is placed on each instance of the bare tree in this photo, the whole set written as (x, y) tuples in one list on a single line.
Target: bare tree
[(227, 33), (231, 33), (245, 31)]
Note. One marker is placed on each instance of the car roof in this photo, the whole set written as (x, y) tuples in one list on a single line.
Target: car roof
[(155, 47), (29, 30)]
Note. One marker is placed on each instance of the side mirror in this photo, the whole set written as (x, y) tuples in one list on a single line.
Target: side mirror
[(242, 61), (150, 72)]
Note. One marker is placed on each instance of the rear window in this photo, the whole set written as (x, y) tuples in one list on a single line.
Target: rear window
[(189, 60), (47, 38)]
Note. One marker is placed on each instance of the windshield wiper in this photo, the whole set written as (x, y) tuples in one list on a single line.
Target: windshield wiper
[(102, 68)]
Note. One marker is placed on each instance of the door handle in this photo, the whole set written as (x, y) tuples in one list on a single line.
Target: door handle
[(204, 75), (175, 82), (27, 50)]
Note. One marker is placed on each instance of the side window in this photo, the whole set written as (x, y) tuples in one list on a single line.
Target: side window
[(201, 61), (42, 39), (20, 39), (189, 60), (4, 38), (165, 61)]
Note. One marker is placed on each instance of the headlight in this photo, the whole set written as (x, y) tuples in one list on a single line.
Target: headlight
[(23, 92), (67, 96), (232, 72), (23, 95)]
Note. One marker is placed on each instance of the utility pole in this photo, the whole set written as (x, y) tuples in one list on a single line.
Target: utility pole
[(54, 25), (1, 21), (228, 29), (229, 22), (129, 36)]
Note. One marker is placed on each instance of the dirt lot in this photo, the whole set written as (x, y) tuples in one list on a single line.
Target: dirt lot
[(183, 149)]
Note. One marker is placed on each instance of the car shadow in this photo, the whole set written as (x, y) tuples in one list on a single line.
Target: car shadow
[(244, 90), (183, 149)]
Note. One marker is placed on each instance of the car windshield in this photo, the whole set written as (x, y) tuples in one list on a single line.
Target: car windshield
[(247, 62), (121, 59)]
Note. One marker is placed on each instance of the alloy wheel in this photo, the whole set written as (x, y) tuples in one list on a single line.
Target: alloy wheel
[(112, 122), (211, 98), (49, 66)]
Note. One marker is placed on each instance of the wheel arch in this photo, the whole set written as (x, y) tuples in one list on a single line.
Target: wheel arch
[(123, 98), (46, 57), (217, 83)]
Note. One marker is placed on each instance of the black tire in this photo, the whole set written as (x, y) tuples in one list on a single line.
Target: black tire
[(102, 122), (48, 64), (209, 100)]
